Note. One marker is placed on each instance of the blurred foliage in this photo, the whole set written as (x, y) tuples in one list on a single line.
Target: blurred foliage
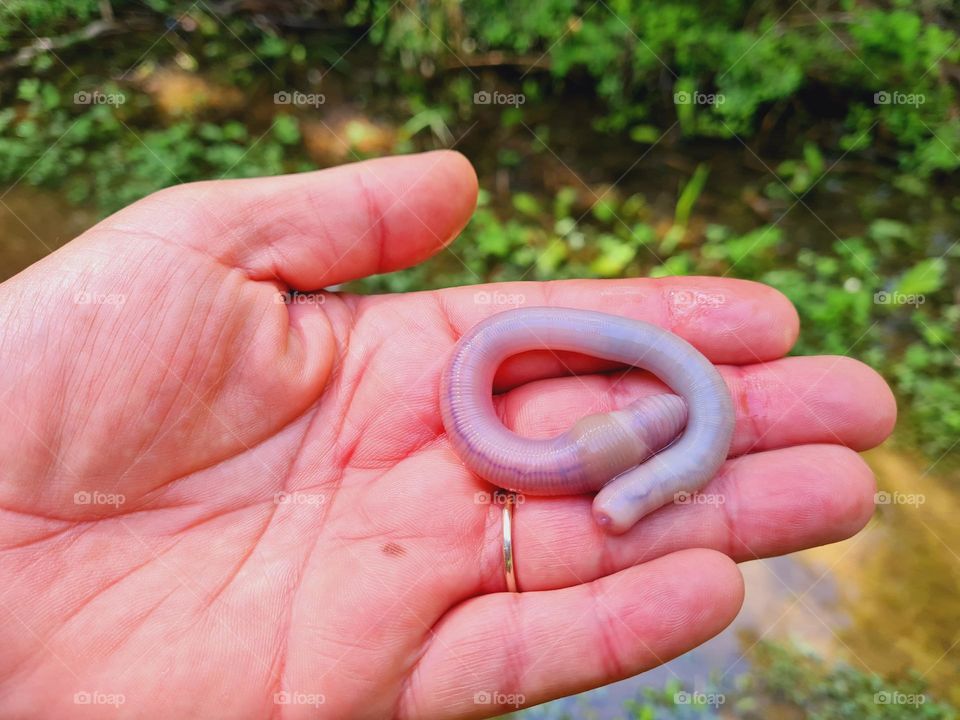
[(795, 678), (882, 69), (17, 16), (865, 78), (787, 681), (811, 85)]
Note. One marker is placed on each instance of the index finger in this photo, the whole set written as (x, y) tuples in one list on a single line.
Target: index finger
[(734, 322)]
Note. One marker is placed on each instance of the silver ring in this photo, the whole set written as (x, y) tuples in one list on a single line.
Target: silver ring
[(509, 566)]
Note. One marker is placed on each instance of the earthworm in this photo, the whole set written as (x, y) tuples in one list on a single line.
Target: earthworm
[(632, 455)]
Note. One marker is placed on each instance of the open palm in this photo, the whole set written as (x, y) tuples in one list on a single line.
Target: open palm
[(222, 501)]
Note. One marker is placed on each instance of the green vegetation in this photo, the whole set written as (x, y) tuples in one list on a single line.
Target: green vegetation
[(802, 681), (870, 79), (785, 682), (651, 62), (788, 682)]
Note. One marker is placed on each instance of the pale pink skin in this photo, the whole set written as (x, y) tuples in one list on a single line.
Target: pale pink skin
[(199, 398), (600, 448)]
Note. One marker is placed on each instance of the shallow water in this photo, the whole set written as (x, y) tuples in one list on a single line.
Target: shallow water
[(34, 223)]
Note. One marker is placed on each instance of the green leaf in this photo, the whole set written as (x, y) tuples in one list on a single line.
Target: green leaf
[(884, 229), (690, 193), (646, 134), (286, 129), (813, 159), (527, 204), (614, 256), (604, 210), (925, 277)]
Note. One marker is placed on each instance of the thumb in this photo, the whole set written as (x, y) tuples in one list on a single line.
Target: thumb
[(316, 229)]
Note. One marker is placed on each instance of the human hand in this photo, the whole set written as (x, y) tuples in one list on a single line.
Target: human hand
[(220, 505)]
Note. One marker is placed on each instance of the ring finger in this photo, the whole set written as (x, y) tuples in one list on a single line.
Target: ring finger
[(759, 505)]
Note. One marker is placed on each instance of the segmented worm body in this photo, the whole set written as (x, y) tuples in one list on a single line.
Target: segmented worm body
[(632, 455)]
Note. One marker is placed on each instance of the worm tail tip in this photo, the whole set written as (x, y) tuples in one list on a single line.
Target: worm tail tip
[(605, 522)]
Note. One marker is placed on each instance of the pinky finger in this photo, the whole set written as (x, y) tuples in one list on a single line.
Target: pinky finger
[(498, 652)]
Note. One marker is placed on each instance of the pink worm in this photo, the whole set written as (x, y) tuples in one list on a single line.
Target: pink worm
[(616, 452)]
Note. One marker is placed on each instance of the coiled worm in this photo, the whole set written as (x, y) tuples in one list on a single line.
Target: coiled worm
[(630, 455)]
